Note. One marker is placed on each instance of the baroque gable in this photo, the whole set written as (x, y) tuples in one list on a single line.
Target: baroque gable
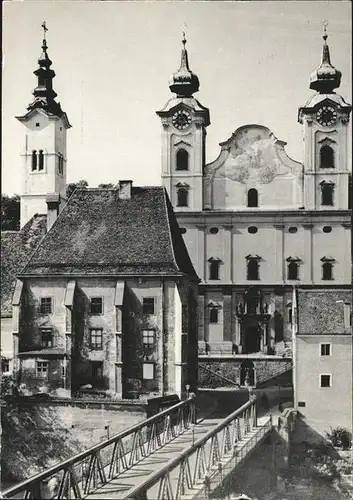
[(251, 158)]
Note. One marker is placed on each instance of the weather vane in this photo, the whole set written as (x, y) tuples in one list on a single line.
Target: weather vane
[(45, 29)]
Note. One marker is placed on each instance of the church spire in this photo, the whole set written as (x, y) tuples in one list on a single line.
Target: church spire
[(326, 77), (44, 94), (184, 82)]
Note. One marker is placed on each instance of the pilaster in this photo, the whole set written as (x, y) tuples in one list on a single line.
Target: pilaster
[(228, 251), (279, 254), (201, 251), (308, 253)]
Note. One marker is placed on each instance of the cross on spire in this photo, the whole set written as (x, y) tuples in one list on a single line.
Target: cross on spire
[(45, 29), (325, 24)]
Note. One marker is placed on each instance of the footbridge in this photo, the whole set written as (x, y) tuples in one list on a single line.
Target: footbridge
[(171, 456)]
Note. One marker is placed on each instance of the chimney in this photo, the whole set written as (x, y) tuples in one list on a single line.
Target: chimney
[(125, 190), (53, 202)]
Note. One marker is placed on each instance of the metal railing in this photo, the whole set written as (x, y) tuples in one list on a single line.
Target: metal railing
[(83, 473), (194, 468)]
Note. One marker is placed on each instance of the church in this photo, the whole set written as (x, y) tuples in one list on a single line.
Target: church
[(262, 231)]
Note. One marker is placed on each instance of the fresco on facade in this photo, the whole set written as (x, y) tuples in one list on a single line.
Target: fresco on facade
[(253, 158)]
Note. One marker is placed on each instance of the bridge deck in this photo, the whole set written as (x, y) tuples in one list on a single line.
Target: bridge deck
[(119, 487)]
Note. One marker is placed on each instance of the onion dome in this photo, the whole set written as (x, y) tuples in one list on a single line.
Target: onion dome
[(184, 82), (326, 77), (44, 94)]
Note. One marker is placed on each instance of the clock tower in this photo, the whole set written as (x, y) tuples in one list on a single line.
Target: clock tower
[(184, 122), (325, 118)]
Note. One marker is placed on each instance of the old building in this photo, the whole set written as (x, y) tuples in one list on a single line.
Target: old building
[(255, 221), (323, 378), (107, 298)]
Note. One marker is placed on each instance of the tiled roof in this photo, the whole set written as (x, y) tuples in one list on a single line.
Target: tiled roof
[(99, 233), (321, 312), (16, 249)]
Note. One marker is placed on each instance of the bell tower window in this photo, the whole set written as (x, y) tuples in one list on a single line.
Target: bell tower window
[(182, 197), (327, 189), (182, 160), (327, 157), (41, 160), (253, 198), (34, 160)]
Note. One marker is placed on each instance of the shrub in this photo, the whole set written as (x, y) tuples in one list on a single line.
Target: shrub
[(340, 437)]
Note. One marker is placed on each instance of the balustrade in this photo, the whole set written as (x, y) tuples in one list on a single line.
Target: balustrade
[(86, 471), (199, 467)]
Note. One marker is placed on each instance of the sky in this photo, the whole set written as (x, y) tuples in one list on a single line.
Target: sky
[(113, 61)]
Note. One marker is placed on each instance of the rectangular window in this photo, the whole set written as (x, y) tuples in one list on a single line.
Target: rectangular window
[(325, 349), (301, 404), (325, 381), (96, 339), (46, 305), (213, 315), (290, 315), (41, 160), (96, 305), (42, 369), (148, 371), (5, 365), (327, 194), (148, 305), (214, 270), (47, 337), (148, 338), (34, 160)]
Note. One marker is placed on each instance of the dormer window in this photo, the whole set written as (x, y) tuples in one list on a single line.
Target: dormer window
[(327, 190), (253, 267), (253, 198), (34, 160), (327, 157), (293, 268), (182, 160)]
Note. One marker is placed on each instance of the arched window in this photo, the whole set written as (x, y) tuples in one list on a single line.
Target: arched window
[(34, 160), (327, 271), (327, 157), (253, 269), (293, 270), (41, 160), (182, 160), (183, 197), (253, 198), (327, 193)]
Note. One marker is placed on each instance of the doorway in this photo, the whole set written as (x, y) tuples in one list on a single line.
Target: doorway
[(252, 339)]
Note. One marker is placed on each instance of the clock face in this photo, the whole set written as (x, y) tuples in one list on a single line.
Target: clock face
[(327, 116), (181, 119)]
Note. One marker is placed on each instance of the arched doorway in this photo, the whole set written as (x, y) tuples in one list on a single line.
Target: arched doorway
[(247, 373)]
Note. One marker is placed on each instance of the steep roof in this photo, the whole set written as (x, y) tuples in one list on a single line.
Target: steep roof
[(16, 248), (321, 312), (97, 233)]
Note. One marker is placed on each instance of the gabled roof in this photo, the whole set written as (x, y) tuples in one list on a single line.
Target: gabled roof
[(16, 248), (97, 233)]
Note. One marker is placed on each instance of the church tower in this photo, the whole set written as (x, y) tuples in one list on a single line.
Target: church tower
[(44, 154), (184, 122), (325, 118)]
